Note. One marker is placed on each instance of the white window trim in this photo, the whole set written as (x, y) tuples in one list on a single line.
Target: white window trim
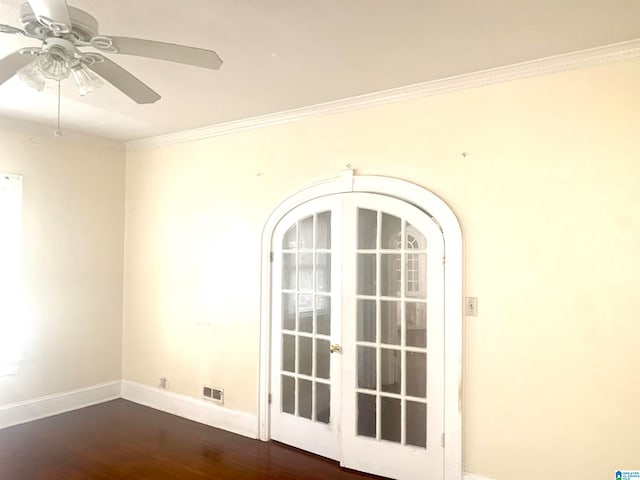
[(11, 354), (452, 233)]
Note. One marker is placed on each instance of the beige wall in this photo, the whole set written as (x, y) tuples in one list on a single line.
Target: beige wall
[(73, 221), (547, 198)]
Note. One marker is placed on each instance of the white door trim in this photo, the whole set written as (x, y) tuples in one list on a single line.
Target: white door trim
[(452, 234)]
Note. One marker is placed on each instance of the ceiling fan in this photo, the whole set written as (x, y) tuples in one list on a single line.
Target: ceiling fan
[(65, 30)]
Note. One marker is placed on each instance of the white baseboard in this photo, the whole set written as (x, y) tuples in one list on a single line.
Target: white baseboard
[(191, 408), (22, 412), (472, 476)]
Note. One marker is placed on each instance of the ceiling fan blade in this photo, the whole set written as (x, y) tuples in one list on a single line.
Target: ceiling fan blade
[(13, 62), (51, 13), (167, 51), (124, 81), (10, 29)]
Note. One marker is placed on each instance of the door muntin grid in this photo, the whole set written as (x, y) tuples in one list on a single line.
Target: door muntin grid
[(345, 438), (391, 348), (306, 319)]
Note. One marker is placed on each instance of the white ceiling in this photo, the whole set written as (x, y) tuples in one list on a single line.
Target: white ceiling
[(284, 54)]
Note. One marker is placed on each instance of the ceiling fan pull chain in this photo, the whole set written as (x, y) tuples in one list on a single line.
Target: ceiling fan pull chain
[(58, 132)]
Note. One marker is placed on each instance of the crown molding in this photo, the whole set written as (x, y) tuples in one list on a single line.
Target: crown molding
[(558, 63)]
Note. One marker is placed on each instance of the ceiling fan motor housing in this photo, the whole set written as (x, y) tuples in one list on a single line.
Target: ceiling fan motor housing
[(83, 26)]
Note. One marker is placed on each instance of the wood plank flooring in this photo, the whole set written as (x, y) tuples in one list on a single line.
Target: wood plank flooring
[(120, 440)]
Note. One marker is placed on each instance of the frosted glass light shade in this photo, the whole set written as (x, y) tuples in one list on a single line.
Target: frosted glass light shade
[(32, 75), (53, 65), (86, 80)]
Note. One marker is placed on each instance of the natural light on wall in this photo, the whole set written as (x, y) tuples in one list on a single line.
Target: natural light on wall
[(11, 321)]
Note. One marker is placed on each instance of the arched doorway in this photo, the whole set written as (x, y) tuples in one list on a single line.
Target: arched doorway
[(391, 397)]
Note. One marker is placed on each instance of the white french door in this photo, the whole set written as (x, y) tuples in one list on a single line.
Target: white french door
[(305, 392), (357, 369)]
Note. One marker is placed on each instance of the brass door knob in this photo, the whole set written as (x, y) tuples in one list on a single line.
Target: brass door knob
[(335, 348)]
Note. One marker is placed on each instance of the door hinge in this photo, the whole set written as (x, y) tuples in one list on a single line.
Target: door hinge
[(271, 256), (442, 440), (444, 260), (269, 399)]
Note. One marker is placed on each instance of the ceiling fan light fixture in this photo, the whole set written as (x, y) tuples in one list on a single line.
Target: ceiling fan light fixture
[(65, 31), (85, 79), (32, 75), (54, 64)]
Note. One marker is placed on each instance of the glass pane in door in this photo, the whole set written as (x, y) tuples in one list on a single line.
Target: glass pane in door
[(367, 228), (416, 424), (390, 318), (305, 404), (288, 394), (416, 374), (366, 320), (390, 275), (323, 230), (288, 311), (366, 415), (323, 360), (323, 272), (390, 416), (323, 314), (305, 313), (416, 324), (289, 270), (289, 238), (305, 356), (305, 233), (323, 405), (305, 271), (391, 232), (391, 373), (288, 353), (367, 370), (366, 274)]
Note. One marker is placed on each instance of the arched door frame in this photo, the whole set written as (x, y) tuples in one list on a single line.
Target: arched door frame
[(452, 234)]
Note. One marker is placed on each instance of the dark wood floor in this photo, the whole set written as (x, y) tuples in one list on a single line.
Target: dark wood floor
[(120, 440)]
